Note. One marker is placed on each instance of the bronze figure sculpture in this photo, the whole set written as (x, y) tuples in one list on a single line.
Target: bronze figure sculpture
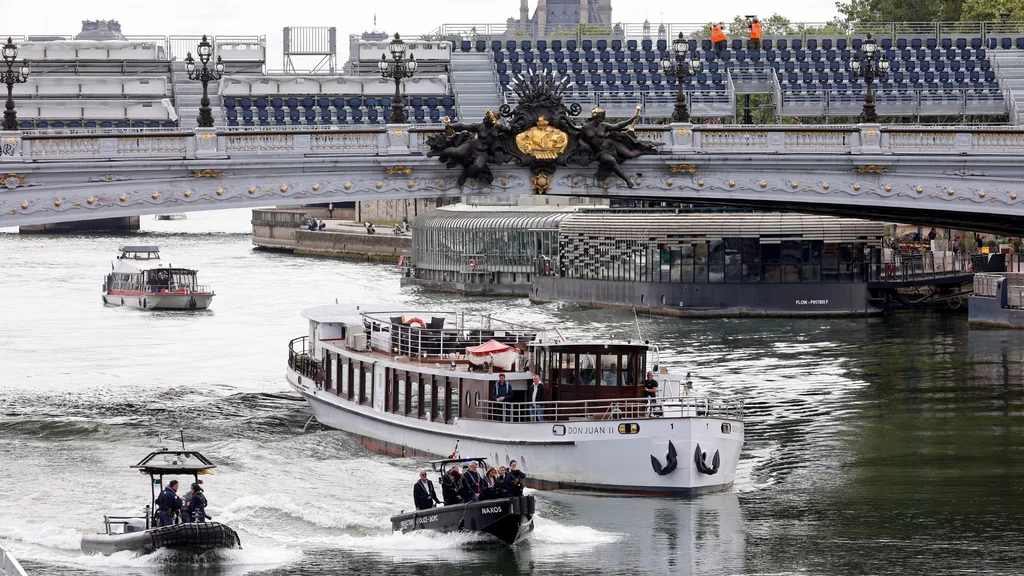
[(612, 144), (458, 147)]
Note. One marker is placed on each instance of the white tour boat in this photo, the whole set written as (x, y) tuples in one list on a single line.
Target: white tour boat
[(139, 280), (422, 385)]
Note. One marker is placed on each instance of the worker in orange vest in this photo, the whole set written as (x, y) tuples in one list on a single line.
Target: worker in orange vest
[(755, 34), (718, 37)]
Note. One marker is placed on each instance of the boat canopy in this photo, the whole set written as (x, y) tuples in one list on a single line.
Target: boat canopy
[(175, 462), (489, 347), (144, 252)]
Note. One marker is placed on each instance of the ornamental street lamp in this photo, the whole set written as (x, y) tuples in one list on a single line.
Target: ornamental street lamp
[(12, 77), (681, 68), (875, 65), (398, 68), (204, 75)]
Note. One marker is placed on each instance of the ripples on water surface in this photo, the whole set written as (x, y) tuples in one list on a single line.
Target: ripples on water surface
[(874, 446)]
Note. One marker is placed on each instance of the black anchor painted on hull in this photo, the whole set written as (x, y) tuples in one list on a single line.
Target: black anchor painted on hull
[(670, 461), (700, 459)]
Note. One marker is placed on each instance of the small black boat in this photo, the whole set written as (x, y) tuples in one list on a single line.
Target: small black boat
[(142, 534), (508, 519)]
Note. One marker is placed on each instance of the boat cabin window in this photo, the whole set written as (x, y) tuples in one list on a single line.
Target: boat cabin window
[(592, 371), (171, 279)]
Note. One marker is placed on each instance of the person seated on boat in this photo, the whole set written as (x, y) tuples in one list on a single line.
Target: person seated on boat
[(312, 225), (489, 485), (514, 479), (195, 510), (468, 487), (423, 493), (450, 483), (503, 395), (322, 225), (167, 504)]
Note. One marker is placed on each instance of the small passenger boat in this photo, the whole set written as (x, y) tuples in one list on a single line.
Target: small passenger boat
[(141, 534), (508, 519), (410, 383), (139, 280)]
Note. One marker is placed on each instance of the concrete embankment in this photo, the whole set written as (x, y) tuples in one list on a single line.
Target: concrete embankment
[(282, 230)]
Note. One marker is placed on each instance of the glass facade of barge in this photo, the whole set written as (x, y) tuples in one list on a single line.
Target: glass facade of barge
[(728, 260)]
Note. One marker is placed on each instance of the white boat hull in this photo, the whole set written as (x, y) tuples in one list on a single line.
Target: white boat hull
[(587, 454), (161, 301)]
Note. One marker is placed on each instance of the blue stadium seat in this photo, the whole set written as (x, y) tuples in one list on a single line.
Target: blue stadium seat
[(466, 45), (264, 117), (495, 45), (372, 115), (481, 46), (279, 117), (229, 103), (357, 116)]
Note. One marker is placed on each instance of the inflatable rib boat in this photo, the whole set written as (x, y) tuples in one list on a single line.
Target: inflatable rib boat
[(143, 534)]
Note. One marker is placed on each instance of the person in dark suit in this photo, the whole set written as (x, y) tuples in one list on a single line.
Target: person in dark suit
[(514, 479), (536, 395), (423, 493), (503, 394), (450, 484), (468, 487)]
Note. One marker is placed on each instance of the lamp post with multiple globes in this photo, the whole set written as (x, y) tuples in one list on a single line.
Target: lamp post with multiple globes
[(873, 64), (398, 68), (682, 67), (204, 75), (12, 77)]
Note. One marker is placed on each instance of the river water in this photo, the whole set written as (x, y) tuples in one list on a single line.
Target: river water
[(888, 445)]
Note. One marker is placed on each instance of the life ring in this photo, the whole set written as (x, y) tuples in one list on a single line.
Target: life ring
[(417, 321), (472, 264)]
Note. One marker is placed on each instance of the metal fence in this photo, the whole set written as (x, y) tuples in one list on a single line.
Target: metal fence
[(611, 409)]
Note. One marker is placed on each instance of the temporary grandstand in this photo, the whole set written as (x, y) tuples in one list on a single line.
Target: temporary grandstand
[(948, 73)]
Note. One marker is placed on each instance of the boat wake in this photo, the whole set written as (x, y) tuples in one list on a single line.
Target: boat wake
[(60, 547)]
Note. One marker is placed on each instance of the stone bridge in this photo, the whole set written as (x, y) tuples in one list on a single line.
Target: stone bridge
[(963, 176)]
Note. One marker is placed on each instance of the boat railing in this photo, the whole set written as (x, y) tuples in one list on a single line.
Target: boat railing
[(428, 338), (612, 409), (172, 288), (300, 360), (9, 565), (110, 522)]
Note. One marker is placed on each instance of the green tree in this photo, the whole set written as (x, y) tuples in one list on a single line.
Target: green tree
[(905, 10), (991, 10)]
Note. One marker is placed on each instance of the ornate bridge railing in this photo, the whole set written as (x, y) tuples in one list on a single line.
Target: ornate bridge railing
[(405, 141)]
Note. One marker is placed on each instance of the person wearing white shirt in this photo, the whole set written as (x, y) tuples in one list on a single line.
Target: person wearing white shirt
[(537, 393)]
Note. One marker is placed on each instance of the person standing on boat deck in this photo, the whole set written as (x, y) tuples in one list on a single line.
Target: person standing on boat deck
[(467, 487), (503, 394), (489, 486), (475, 478), (167, 503), (651, 393), (423, 493), (537, 393), (195, 510), (450, 483), (514, 479)]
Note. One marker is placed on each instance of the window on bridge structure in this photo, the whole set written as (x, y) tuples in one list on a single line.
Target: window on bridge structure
[(770, 262)]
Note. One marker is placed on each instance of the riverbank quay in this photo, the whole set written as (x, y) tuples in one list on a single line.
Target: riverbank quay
[(284, 230)]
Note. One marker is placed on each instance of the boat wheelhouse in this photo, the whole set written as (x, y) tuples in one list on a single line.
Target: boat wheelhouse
[(408, 384), (136, 281)]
